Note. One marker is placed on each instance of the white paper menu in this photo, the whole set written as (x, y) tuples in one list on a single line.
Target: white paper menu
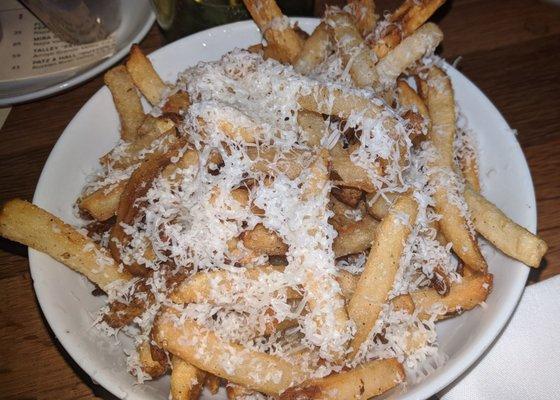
[(28, 49)]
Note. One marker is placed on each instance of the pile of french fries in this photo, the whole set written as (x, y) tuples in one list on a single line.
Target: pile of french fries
[(305, 269)]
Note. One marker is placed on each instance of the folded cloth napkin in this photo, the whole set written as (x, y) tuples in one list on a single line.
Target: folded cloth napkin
[(524, 362)]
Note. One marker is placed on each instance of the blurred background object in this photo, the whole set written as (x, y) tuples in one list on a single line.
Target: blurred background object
[(178, 18), (51, 45), (77, 21)]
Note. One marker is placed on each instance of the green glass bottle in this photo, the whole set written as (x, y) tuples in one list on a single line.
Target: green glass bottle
[(178, 18)]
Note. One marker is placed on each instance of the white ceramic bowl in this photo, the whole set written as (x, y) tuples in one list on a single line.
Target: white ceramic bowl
[(65, 296)]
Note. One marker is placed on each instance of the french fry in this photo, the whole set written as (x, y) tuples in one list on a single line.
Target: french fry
[(261, 240), (270, 162), (353, 236), (202, 348), (316, 285), (122, 313), (270, 21), (232, 123), (418, 14), (127, 101), (469, 168), (314, 51), (128, 209), (410, 50), (453, 223), (208, 286), (103, 203), (406, 19), (157, 141), (380, 207), (177, 103), (144, 76), (363, 382), (325, 100), (502, 232), (417, 114), (345, 173), (153, 366), (364, 14), (186, 381), (352, 47), (378, 276), (150, 129), (213, 383), (313, 127), (238, 392), (463, 296), (348, 195), (32, 226), (410, 99)]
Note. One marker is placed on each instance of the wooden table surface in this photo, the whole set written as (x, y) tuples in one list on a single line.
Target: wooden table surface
[(509, 49)]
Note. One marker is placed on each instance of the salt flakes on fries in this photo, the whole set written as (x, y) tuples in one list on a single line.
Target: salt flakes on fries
[(290, 220)]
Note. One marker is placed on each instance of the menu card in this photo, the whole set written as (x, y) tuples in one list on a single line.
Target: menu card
[(29, 49)]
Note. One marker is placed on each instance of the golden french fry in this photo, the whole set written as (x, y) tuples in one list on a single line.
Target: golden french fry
[(202, 348), (502, 232), (418, 13), (423, 41), (137, 187), (127, 101), (463, 296), (352, 47), (337, 102), (380, 207), (353, 236), (345, 173), (363, 382), (469, 167), (150, 143), (270, 161), (103, 203), (209, 286), (177, 103), (153, 360), (378, 276), (151, 128), (416, 114), (348, 195), (364, 14), (186, 381), (453, 224), (314, 50), (232, 123), (261, 240), (238, 392), (32, 226), (405, 20), (317, 285), (276, 29), (313, 127), (213, 383), (144, 76), (408, 98)]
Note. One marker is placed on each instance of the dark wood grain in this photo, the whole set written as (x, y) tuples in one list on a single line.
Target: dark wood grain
[(510, 49)]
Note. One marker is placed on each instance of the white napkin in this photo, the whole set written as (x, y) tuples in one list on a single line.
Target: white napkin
[(524, 362)]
